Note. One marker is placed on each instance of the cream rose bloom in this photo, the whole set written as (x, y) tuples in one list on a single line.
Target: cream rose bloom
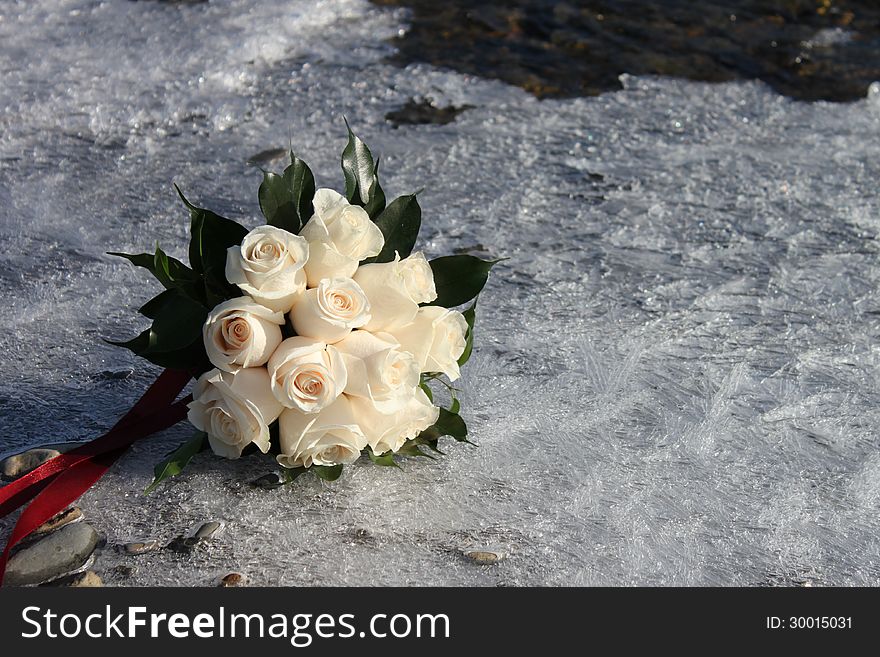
[(340, 235), (330, 311), (395, 290), (332, 436), (241, 333), (418, 278), (235, 409), (306, 374), (378, 370), (436, 338), (388, 432), (268, 267)]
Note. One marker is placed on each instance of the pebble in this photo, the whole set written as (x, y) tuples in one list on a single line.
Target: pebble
[(232, 579), (141, 547), (267, 156), (73, 514), (57, 554), (484, 557), (185, 544), (268, 481), (207, 530), (20, 464)]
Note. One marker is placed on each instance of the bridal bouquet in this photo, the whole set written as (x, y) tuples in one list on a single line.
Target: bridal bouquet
[(314, 337)]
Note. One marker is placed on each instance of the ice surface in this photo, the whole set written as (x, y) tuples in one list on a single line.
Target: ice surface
[(675, 378)]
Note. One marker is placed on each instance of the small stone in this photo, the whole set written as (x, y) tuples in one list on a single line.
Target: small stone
[(484, 557), (73, 514), (267, 156), (88, 579), (57, 554), (268, 481), (141, 547), (424, 111), (207, 530), (232, 579), (20, 464), (186, 544)]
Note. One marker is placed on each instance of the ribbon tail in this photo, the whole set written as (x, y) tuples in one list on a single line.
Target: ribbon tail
[(161, 394), (58, 494), (64, 479)]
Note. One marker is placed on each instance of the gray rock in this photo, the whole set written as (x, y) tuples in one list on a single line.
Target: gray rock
[(59, 553), (268, 481), (267, 156), (73, 514), (20, 464), (232, 580), (141, 547), (207, 530), (484, 557)]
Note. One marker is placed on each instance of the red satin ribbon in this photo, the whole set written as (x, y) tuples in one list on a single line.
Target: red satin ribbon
[(56, 484)]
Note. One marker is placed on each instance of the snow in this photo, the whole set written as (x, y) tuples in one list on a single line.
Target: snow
[(675, 378)]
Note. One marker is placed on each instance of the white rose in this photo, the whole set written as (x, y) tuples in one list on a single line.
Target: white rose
[(418, 278), (332, 436), (378, 370), (390, 432), (235, 409), (268, 266), (340, 235), (241, 333), (436, 338), (306, 374), (330, 311), (390, 302)]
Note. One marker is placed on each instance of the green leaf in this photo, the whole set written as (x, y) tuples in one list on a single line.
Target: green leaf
[(376, 205), (386, 459), (470, 316), (361, 176), (451, 424), (455, 406), (428, 392), (459, 278), (192, 357), (427, 438), (175, 338), (169, 271), (327, 472), (292, 474), (276, 203), (301, 183), (154, 306), (177, 322), (210, 236), (399, 223), (413, 448), (177, 460), (286, 200)]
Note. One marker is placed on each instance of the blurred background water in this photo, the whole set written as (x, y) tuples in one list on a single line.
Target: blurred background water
[(675, 377)]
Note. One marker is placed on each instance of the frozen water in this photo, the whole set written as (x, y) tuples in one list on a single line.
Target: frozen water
[(676, 373)]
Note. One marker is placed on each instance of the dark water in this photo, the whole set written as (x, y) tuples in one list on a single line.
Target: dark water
[(806, 49)]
